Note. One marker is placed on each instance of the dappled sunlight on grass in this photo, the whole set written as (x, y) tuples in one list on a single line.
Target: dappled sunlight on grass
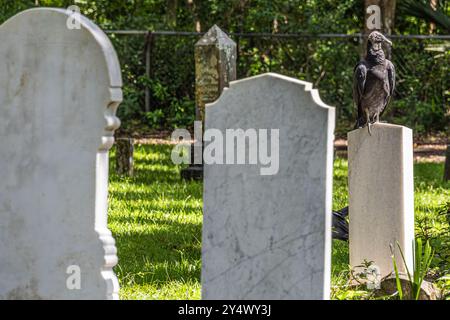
[(156, 219), (168, 290), (431, 198), (340, 186)]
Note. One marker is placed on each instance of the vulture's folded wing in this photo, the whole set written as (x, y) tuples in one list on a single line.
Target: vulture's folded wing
[(359, 81), (391, 77), (391, 80)]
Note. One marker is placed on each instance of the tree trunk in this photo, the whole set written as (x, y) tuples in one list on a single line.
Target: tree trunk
[(387, 19), (388, 13), (124, 156), (172, 6), (447, 164), (192, 8), (433, 5)]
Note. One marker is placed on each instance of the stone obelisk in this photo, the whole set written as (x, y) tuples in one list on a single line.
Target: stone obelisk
[(215, 67)]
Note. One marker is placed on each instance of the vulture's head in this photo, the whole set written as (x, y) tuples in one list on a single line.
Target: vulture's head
[(376, 39)]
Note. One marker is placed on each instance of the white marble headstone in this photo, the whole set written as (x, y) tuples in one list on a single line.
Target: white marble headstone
[(59, 91), (381, 197), (269, 236)]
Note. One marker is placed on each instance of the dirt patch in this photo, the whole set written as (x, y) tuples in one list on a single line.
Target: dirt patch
[(431, 152)]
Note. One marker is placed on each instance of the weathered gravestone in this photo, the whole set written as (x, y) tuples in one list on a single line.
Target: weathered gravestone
[(381, 196), (59, 90), (266, 235), (215, 67)]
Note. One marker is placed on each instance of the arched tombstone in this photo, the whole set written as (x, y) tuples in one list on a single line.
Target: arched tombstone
[(267, 224), (60, 86)]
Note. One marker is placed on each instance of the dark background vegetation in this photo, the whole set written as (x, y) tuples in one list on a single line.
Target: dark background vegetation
[(422, 95)]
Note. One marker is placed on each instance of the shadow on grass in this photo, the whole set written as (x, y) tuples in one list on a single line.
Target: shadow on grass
[(163, 252), (428, 175), (174, 194), (155, 217)]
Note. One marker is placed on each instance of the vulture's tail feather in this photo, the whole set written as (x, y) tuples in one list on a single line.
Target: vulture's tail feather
[(340, 224)]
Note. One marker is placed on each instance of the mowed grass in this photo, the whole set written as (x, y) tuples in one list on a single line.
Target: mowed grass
[(156, 219)]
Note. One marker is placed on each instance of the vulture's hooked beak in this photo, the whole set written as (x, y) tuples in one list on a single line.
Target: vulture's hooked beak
[(387, 41)]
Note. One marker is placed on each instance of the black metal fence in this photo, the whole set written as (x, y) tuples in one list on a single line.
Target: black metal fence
[(159, 73)]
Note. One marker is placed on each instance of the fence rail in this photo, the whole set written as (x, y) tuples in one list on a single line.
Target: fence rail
[(275, 35), (159, 72)]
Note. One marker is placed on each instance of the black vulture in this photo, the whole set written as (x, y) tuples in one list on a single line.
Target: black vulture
[(340, 224), (373, 82)]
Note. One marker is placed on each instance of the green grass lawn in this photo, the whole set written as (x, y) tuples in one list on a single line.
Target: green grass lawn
[(156, 219)]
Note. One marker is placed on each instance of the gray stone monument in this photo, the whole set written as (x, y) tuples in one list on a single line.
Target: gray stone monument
[(60, 86), (215, 67), (267, 235), (381, 195), (124, 156)]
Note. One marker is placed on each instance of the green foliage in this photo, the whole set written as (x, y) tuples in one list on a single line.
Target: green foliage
[(421, 99), (397, 276), (155, 118), (156, 219), (444, 285), (421, 264), (422, 9), (422, 261), (421, 102), (432, 214), (342, 290), (435, 229)]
